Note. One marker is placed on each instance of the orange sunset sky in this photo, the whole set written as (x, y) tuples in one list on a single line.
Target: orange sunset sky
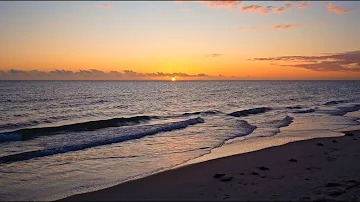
[(197, 40)]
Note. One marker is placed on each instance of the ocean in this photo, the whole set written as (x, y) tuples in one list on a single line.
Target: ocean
[(59, 138)]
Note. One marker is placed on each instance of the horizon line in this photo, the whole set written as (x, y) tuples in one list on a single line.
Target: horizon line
[(186, 80)]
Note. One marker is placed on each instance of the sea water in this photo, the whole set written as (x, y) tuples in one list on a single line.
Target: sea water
[(59, 138)]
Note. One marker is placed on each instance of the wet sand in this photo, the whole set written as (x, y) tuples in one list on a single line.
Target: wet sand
[(316, 169)]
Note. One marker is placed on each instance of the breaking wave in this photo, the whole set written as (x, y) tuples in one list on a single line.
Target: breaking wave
[(248, 112), (80, 146)]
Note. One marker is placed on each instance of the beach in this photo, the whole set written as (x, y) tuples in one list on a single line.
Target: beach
[(315, 169)]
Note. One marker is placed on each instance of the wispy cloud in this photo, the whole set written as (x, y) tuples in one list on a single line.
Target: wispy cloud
[(258, 8), (346, 61), (337, 10), (303, 5), (213, 55), (222, 4), (279, 10), (288, 5), (251, 28), (270, 9), (92, 74), (233, 5), (103, 6), (276, 27), (285, 26)]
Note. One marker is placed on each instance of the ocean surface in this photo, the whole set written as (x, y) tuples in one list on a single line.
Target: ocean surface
[(59, 138)]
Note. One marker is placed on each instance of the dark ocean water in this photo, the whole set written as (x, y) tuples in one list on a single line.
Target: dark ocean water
[(59, 138)]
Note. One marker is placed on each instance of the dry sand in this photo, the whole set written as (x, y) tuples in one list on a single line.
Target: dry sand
[(316, 169)]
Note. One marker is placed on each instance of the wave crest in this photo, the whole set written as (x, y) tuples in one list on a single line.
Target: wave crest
[(29, 133), (58, 150), (335, 102), (248, 112)]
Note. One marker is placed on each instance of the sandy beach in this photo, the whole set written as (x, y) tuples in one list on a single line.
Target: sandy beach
[(316, 169)]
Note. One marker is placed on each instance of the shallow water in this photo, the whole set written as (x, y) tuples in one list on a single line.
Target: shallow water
[(59, 138)]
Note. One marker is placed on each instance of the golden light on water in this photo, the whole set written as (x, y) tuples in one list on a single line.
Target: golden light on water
[(173, 79)]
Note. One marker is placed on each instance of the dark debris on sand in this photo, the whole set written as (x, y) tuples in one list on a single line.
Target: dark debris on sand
[(332, 184), (227, 179), (218, 175), (254, 173), (320, 144), (293, 160), (349, 134), (336, 193), (352, 181), (263, 168), (334, 141)]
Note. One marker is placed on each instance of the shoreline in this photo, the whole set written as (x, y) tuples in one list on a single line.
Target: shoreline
[(300, 170)]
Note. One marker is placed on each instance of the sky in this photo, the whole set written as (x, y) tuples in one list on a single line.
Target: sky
[(188, 40)]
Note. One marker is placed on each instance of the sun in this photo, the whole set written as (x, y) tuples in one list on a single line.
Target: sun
[(173, 79)]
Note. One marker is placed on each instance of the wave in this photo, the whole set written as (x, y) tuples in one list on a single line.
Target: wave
[(98, 102), (10, 126), (304, 111), (278, 123), (29, 133), (210, 112), (271, 128), (248, 112), (341, 111), (335, 102), (284, 122), (295, 107), (52, 151), (244, 129)]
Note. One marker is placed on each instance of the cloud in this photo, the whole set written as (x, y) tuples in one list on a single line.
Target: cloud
[(286, 26), (108, 6), (337, 10), (15, 72), (222, 4), (288, 5), (277, 27), (131, 73), (2, 73), (266, 9), (213, 55), (279, 10), (115, 73), (233, 5), (303, 5), (91, 73), (36, 73), (60, 72), (251, 28), (347, 61), (86, 74), (254, 8)]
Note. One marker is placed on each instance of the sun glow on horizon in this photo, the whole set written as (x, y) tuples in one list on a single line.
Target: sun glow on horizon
[(173, 79)]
